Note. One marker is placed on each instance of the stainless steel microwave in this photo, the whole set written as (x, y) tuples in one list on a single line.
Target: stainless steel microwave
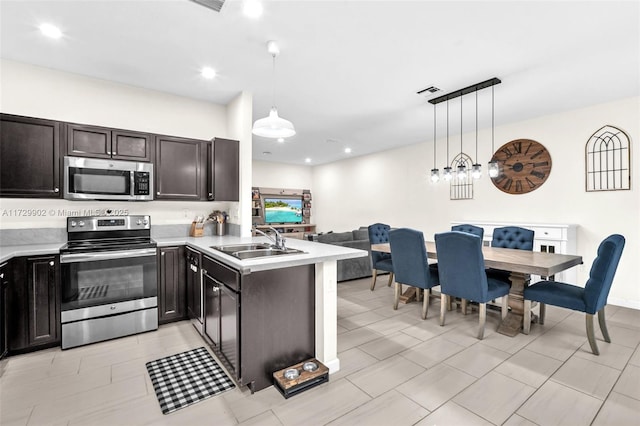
[(101, 179)]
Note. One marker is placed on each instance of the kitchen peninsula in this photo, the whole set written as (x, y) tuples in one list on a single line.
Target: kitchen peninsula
[(279, 297)]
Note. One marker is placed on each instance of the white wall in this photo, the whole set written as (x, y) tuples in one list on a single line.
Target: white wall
[(45, 93), (239, 122), (276, 175), (393, 187)]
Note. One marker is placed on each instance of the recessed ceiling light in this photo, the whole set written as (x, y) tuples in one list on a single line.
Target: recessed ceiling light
[(50, 30), (280, 140), (252, 9), (347, 150), (307, 160), (208, 73)]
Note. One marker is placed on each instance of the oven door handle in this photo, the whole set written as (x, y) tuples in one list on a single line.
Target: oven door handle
[(106, 255)]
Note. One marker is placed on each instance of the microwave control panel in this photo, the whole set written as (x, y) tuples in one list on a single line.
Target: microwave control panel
[(141, 183)]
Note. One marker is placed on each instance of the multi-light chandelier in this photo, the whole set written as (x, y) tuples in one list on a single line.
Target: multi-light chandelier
[(462, 172)]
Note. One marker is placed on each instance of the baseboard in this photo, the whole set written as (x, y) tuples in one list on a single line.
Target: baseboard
[(625, 303)]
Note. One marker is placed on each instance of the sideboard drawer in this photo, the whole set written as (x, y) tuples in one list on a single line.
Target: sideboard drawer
[(548, 233)]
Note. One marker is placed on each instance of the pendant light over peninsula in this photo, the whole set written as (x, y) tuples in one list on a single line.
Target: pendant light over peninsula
[(273, 126)]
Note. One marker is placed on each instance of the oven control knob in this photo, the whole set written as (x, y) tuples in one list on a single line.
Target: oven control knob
[(138, 222), (73, 223), (145, 221), (81, 223)]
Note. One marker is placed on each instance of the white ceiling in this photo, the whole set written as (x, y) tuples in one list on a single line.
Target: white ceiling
[(348, 71)]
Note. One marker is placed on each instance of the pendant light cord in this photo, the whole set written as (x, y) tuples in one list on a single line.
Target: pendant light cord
[(461, 163), (434, 136), (476, 126), (273, 86), (492, 122), (447, 132)]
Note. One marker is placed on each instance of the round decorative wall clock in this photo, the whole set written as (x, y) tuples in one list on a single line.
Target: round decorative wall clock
[(524, 166)]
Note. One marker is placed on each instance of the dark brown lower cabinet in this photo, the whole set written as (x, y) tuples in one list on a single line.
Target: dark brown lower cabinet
[(172, 304), (261, 322), (34, 303), (5, 279), (211, 308)]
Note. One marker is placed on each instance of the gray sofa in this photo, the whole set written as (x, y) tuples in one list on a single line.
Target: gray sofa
[(351, 269)]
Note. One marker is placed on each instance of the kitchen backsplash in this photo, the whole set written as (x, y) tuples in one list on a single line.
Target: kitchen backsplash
[(23, 236)]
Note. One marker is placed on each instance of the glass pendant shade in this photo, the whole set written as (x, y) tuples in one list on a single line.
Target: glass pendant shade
[(446, 174), (273, 126), (435, 175), (476, 171), (462, 172), (494, 169)]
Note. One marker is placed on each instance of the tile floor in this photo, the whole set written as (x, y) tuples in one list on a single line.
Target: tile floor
[(396, 369)]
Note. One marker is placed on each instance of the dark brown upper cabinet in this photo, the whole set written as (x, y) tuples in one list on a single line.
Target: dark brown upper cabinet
[(224, 170), (29, 157), (180, 169), (102, 142)]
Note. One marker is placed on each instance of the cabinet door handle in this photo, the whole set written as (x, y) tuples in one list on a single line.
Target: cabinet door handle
[(56, 190), (211, 195), (114, 153), (51, 263), (2, 276), (162, 254), (158, 193)]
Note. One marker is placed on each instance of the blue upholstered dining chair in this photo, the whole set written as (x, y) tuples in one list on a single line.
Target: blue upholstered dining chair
[(513, 237), (379, 234), (409, 256), (469, 229), (590, 299), (462, 274)]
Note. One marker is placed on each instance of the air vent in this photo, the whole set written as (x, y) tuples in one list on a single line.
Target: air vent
[(211, 4), (429, 91)]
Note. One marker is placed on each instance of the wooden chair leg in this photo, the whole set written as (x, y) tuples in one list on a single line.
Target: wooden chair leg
[(482, 307), (526, 321), (425, 304), (543, 311), (397, 297), (374, 274), (443, 307), (591, 336), (390, 279), (505, 306), (464, 306), (603, 326)]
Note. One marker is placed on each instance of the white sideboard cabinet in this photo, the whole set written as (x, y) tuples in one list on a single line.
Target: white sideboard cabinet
[(549, 237)]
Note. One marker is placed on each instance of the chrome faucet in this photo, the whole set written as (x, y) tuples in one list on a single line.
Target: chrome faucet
[(278, 241)]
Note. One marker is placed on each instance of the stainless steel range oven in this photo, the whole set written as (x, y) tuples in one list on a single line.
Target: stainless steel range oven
[(109, 279)]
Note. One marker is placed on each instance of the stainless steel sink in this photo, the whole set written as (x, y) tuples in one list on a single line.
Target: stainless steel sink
[(240, 247), (252, 251)]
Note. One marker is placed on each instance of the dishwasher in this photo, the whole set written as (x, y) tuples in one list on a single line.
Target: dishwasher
[(195, 297)]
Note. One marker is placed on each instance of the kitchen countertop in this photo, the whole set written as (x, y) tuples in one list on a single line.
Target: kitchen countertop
[(314, 252), (9, 252)]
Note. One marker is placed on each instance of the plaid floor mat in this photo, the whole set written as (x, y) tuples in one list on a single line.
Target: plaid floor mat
[(186, 378)]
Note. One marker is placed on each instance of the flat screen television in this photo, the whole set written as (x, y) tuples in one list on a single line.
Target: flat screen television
[(282, 210)]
